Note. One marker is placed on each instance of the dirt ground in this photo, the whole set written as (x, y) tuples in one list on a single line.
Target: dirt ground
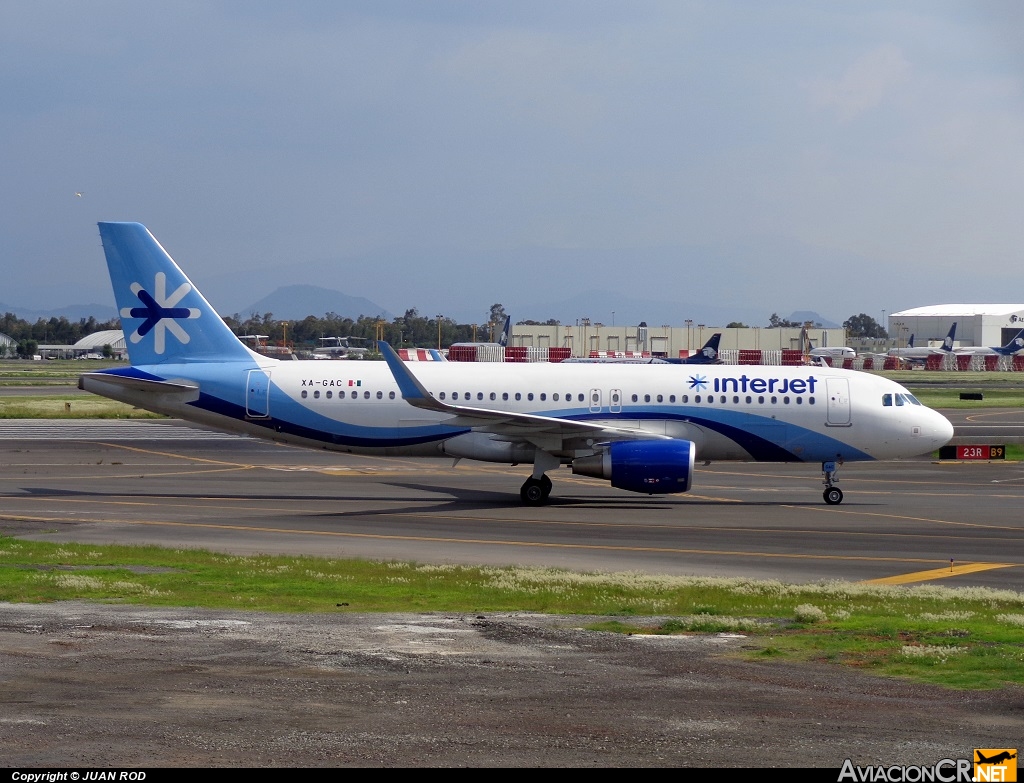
[(90, 686)]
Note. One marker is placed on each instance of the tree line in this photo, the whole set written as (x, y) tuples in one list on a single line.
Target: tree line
[(408, 330)]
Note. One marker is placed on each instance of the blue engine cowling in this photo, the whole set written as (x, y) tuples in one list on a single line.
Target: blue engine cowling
[(649, 466)]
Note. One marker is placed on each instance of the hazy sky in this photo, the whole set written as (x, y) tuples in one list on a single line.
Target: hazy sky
[(758, 157)]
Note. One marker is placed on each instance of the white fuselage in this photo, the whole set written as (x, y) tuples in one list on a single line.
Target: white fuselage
[(768, 413)]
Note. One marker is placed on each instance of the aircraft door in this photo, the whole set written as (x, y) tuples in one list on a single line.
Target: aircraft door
[(615, 401), (257, 394), (595, 400), (838, 402)]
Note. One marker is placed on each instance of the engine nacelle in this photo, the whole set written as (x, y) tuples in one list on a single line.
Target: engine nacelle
[(649, 466)]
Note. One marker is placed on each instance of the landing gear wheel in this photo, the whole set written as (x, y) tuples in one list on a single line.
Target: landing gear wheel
[(833, 496), (545, 485), (532, 492)]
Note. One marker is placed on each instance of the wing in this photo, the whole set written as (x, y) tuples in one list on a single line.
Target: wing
[(545, 432)]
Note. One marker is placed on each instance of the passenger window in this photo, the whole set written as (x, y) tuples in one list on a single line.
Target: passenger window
[(696, 398), (304, 394), (555, 396), (785, 400), (442, 395), (380, 395), (479, 395), (581, 398), (722, 399), (736, 400), (799, 400), (635, 398), (543, 396), (748, 399), (504, 396), (810, 401), (775, 400), (329, 395), (316, 395), (671, 398), (530, 396), (594, 398), (886, 400), (391, 395), (686, 398), (660, 398), (366, 395), (494, 396), (760, 400), (519, 396), (647, 398)]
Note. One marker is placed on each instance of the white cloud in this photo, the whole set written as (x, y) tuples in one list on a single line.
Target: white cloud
[(864, 84)]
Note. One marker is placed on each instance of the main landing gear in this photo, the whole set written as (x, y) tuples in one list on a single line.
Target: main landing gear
[(832, 494), (535, 490)]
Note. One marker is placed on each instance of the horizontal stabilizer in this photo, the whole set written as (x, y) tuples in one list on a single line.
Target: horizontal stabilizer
[(135, 384)]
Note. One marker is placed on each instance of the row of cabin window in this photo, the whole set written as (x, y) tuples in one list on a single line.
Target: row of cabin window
[(685, 398), (341, 395), (724, 399)]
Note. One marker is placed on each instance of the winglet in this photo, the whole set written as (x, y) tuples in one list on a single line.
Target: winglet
[(412, 390)]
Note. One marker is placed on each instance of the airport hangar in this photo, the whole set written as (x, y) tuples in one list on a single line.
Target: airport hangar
[(976, 324)]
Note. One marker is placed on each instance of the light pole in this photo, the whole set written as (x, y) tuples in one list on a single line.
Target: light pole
[(689, 323), (440, 319)]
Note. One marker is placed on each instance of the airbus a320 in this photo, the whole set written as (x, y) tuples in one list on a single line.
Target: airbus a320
[(639, 427)]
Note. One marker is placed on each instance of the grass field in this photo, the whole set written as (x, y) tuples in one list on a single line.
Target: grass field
[(959, 638)]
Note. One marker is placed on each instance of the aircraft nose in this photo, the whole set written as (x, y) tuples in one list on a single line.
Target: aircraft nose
[(941, 429)]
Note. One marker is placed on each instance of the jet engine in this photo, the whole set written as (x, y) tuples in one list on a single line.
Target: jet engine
[(649, 466)]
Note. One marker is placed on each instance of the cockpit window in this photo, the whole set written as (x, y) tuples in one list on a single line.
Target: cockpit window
[(913, 399), (886, 400), (899, 399)]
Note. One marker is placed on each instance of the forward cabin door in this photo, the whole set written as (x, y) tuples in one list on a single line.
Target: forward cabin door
[(838, 402)]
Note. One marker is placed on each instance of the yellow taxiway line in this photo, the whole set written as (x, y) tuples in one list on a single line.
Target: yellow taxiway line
[(937, 573)]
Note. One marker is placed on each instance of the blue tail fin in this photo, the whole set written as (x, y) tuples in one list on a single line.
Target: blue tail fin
[(164, 317), (503, 340), (947, 344), (1012, 347)]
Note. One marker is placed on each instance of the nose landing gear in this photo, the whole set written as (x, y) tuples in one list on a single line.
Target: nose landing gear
[(833, 495)]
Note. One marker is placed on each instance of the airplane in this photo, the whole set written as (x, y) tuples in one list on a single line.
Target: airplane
[(843, 352), (920, 355), (996, 759), (707, 355), (482, 352), (641, 429), (1011, 348)]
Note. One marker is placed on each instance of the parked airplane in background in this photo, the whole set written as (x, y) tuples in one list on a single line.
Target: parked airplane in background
[(839, 352), (641, 429), (707, 355), (920, 355), (1014, 346)]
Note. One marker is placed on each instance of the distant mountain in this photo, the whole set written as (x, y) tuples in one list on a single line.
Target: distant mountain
[(71, 312), (294, 302), (801, 316)]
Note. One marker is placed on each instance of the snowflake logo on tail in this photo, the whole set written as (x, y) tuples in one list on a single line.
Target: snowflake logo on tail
[(160, 312)]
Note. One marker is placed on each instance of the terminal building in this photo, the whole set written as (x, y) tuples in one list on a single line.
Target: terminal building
[(976, 324), (586, 338)]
